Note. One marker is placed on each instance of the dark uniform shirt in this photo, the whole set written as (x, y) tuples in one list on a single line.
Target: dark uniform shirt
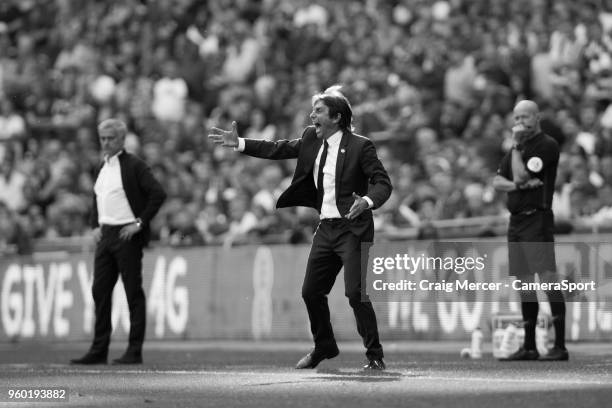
[(531, 229), (541, 157)]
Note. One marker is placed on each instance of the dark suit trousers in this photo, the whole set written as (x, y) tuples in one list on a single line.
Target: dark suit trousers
[(116, 257), (334, 246)]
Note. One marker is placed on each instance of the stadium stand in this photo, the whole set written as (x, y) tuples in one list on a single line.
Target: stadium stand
[(432, 82)]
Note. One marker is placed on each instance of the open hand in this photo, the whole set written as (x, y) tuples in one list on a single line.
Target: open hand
[(126, 233), (228, 138), (358, 207)]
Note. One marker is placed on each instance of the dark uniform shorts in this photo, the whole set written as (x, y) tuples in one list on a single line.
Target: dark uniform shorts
[(531, 247)]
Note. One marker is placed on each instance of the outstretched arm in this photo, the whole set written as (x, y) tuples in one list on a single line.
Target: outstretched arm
[(278, 150)]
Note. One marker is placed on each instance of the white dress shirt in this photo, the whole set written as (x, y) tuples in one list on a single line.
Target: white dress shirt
[(328, 207), (113, 205)]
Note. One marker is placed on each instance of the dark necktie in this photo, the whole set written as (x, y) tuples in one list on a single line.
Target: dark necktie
[(320, 176)]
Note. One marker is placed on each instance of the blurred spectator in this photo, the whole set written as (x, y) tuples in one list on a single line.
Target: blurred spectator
[(242, 221), (13, 238), (212, 223), (434, 81), (258, 128), (460, 77), (12, 183), (270, 181), (183, 230), (12, 124), (242, 51), (169, 95)]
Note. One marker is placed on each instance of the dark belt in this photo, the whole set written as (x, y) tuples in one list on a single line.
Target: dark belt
[(334, 221), (107, 227)]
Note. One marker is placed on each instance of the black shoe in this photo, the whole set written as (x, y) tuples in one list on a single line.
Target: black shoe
[(556, 354), (375, 364), (522, 354), (128, 358), (91, 359), (312, 359)]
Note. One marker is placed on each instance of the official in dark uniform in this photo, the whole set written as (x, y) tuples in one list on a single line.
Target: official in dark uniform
[(126, 198), (527, 173), (339, 174)]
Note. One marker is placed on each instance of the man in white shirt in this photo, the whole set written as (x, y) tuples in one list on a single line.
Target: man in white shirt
[(339, 174), (169, 95), (126, 198)]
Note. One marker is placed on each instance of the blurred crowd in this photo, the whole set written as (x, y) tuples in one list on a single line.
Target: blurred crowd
[(432, 82)]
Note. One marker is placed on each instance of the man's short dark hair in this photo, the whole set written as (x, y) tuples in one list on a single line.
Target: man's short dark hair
[(337, 104)]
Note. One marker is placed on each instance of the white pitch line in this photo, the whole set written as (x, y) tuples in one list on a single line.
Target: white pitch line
[(317, 374), (515, 380)]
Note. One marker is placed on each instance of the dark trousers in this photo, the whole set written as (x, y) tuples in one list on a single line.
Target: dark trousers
[(530, 309), (531, 250), (116, 257), (334, 246)]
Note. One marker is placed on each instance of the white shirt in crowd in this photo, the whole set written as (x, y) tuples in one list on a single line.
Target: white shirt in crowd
[(12, 125), (169, 96), (11, 190)]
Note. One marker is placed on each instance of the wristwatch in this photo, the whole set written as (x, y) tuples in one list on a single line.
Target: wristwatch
[(138, 223)]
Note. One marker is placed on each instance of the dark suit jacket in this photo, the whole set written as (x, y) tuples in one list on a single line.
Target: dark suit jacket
[(358, 170), (144, 193)]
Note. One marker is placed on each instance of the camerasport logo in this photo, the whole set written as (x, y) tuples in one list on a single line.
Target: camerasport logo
[(535, 164)]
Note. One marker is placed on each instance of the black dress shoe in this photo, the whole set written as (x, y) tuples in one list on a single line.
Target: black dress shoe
[(128, 359), (375, 364), (90, 359), (556, 354), (312, 359), (522, 354)]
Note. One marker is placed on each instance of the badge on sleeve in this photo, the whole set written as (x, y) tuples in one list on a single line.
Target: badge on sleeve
[(535, 164)]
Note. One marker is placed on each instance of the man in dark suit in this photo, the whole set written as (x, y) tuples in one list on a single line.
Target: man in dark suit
[(126, 198), (339, 174)]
